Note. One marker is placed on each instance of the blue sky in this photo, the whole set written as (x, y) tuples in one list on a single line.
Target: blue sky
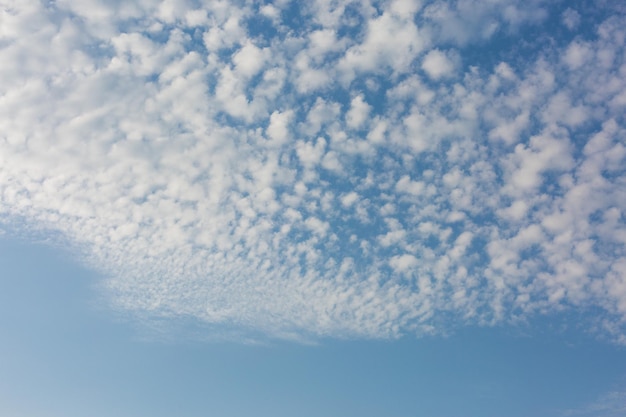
[(332, 207)]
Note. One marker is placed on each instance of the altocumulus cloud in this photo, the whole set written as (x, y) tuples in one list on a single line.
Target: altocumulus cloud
[(325, 168)]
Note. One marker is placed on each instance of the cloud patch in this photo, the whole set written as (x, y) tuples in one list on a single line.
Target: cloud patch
[(250, 167), (438, 64)]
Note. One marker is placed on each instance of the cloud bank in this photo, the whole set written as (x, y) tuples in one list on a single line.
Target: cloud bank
[(335, 168)]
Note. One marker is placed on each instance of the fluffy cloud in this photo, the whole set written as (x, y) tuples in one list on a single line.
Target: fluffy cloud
[(339, 169), (438, 64)]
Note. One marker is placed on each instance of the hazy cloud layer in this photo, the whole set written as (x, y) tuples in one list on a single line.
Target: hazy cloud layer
[(335, 168)]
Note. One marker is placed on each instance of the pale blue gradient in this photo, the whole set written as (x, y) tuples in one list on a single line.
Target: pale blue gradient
[(61, 355)]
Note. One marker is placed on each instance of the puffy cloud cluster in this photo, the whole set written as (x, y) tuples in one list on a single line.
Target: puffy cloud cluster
[(336, 168)]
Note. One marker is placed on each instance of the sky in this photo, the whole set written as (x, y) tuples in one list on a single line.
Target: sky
[(323, 208)]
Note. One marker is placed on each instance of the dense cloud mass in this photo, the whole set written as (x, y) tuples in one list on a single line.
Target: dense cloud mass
[(325, 168)]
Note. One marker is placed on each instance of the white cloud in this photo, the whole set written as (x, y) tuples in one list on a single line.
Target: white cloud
[(270, 11), (278, 129), (406, 185), (226, 33), (546, 152), (438, 64), (570, 18), (349, 199), (403, 263), (374, 55), (324, 41), (249, 60), (466, 21), (357, 115), (310, 180), (577, 54), (405, 7)]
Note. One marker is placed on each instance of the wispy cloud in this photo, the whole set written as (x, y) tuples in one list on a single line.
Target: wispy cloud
[(336, 168), (612, 404)]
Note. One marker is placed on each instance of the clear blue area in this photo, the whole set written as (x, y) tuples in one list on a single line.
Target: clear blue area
[(61, 355)]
